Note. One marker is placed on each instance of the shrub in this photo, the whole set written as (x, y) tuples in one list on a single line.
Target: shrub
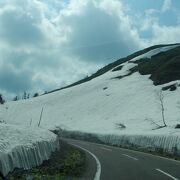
[(2, 101), (177, 126), (120, 126), (105, 88)]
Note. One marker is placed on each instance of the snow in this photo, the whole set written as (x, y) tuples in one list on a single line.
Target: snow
[(87, 107), (169, 144), (153, 52), (22, 147), (92, 108)]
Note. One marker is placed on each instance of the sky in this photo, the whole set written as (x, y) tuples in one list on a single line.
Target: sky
[(47, 44)]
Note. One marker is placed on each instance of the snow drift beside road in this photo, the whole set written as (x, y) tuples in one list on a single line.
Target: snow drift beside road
[(23, 147)]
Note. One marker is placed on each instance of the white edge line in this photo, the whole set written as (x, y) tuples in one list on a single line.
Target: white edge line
[(106, 149), (98, 172), (130, 150), (138, 152), (130, 157), (172, 177)]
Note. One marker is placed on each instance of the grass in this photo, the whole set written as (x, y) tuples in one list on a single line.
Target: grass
[(67, 163)]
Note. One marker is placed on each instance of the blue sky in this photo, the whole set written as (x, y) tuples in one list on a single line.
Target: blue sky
[(51, 43)]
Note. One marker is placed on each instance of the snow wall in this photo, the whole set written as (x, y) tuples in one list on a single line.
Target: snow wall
[(152, 142), (164, 143), (27, 157)]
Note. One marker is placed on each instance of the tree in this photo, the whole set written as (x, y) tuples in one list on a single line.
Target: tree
[(160, 98), (16, 98), (24, 95), (35, 95), (2, 101), (28, 96)]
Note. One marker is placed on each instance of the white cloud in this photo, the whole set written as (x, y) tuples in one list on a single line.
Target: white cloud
[(48, 44), (32, 54), (149, 20), (96, 27), (165, 34), (166, 5)]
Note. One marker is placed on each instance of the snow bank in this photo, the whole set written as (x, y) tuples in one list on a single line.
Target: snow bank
[(161, 142), (24, 147), (153, 142)]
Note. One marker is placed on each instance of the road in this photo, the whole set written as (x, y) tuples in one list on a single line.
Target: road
[(112, 163)]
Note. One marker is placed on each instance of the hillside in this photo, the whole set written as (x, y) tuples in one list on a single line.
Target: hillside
[(120, 99), (115, 64), (163, 67), (109, 98)]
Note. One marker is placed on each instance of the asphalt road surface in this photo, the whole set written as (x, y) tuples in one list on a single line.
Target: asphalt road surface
[(112, 163)]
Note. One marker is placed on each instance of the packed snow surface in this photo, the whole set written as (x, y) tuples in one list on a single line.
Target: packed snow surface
[(100, 106), (24, 147), (131, 101)]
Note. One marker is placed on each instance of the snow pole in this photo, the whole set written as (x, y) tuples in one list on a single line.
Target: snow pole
[(30, 121), (40, 117)]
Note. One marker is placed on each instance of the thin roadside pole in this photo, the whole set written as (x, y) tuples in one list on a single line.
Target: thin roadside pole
[(40, 117)]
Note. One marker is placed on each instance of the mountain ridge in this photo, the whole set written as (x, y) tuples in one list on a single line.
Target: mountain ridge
[(114, 64)]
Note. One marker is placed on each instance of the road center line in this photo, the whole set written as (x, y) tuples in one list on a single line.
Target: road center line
[(106, 149), (172, 177), (98, 172), (130, 157)]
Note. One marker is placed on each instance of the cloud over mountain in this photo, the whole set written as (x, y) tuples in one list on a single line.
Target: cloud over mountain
[(48, 44)]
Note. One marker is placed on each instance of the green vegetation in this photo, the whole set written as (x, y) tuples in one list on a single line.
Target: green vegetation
[(69, 162), (110, 67), (163, 67), (117, 68), (172, 87), (121, 77), (2, 101), (177, 126)]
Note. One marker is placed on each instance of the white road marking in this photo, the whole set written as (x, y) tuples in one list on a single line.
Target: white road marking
[(172, 177), (138, 152), (98, 172), (106, 149), (130, 150), (130, 157)]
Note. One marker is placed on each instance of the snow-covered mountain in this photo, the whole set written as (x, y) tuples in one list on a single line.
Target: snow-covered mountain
[(120, 99), (117, 96)]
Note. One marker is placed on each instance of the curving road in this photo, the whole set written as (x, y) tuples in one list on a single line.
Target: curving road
[(111, 163)]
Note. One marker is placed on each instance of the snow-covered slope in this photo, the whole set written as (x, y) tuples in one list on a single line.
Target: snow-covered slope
[(99, 105), (22, 147)]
